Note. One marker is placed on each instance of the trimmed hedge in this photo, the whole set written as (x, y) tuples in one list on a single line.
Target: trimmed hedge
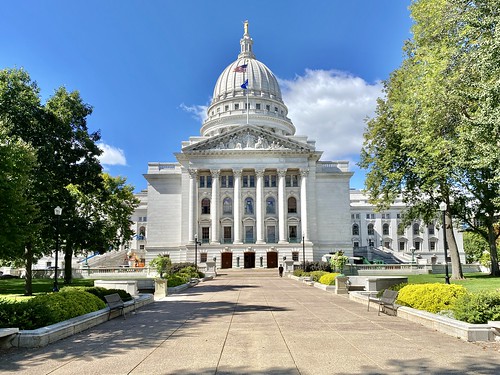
[(100, 292), (478, 308), (430, 297), (47, 309), (328, 279)]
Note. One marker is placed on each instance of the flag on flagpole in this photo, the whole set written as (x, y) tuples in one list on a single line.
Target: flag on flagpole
[(241, 68), (245, 85)]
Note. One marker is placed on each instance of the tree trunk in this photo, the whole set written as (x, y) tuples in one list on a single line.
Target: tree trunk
[(492, 239), (456, 265), (68, 266), (28, 279)]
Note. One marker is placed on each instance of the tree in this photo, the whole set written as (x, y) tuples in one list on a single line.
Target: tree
[(17, 159), (103, 217), (475, 246)]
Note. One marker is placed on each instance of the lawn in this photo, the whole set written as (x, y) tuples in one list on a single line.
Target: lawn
[(473, 282), (14, 288)]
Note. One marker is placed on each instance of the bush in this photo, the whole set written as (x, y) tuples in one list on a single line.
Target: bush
[(478, 308), (430, 297), (328, 279), (318, 266), (47, 309), (299, 272), (316, 275), (100, 292), (176, 280)]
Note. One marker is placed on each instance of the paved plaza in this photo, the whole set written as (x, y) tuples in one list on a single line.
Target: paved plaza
[(254, 322)]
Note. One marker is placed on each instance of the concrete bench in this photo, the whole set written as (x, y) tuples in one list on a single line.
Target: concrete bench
[(387, 301)]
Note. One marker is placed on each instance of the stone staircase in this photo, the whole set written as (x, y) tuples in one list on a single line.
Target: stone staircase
[(114, 258)]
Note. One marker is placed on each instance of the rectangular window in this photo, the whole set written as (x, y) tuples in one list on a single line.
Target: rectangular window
[(275, 109), (248, 181), (371, 243), (432, 246), (417, 245), (273, 180), (252, 181), (295, 256), (205, 234), (202, 181), (229, 181), (257, 106), (356, 244), (288, 181), (267, 183), (203, 257), (228, 235), (209, 182), (402, 246), (223, 181), (244, 181), (268, 107), (387, 245), (271, 234), (246, 106), (357, 216), (292, 233), (141, 247), (248, 234), (236, 106), (226, 108)]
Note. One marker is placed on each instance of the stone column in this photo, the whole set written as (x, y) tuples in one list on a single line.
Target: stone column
[(214, 207), (193, 204), (237, 205), (303, 202), (259, 195), (281, 206)]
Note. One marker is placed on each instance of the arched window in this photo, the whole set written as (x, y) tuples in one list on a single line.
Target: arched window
[(227, 206), (355, 230), (270, 206), (292, 205), (142, 233), (248, 206), (385, 229), (430, 228), (416, 229), (205, 206), (371, 231)]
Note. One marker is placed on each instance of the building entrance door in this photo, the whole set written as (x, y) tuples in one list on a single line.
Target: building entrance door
[(272, 259), (226, 260), (249, 260)]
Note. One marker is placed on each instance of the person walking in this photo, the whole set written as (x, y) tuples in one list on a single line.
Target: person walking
[(280, 270)]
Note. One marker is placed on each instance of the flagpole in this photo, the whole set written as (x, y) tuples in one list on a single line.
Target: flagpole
[(248, 106)]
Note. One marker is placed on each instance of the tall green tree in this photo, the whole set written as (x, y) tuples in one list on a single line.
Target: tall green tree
[(103, 216)]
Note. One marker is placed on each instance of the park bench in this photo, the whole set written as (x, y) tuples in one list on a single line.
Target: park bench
[(115, 302), (386, 302)]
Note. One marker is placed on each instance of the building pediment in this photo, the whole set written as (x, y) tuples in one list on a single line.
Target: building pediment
[(247, 138)]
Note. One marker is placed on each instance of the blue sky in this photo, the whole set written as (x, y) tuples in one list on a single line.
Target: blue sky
[(149, 67)]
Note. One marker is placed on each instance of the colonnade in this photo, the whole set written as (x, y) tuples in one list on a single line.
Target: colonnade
[(215, 205)]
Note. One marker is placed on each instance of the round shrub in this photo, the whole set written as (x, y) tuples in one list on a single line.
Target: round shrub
[(478, 308), (430, 297), (176, 280), (47, 309), (328, 279), (316, 275), (299, 272)]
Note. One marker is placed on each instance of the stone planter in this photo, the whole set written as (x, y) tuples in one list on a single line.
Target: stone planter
[(341, 285), (161, 289)]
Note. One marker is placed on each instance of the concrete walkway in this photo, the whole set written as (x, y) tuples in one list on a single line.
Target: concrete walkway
[(255, 323)]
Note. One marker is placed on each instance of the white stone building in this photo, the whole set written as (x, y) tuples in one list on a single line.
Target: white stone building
[(247, 188)]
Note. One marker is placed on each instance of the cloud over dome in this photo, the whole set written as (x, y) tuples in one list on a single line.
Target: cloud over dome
[(330, 107)]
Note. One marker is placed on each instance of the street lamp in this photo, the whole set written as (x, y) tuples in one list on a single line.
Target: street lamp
[(196, 243), (442, 208), (57, 212), (304, 252)]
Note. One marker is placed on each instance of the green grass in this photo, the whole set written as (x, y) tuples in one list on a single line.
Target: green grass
[(14, 288), (473, 282)]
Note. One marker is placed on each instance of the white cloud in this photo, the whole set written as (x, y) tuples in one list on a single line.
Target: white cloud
[(111, 155), (199, 112), (330, 107)]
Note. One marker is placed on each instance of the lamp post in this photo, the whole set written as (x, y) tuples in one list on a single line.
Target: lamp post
[(57, 212), (304, 252), (442, 208), (196, 243)]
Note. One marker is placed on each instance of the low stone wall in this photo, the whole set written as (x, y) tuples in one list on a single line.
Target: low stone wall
[(130, 286), (47, 335), (452, 327)]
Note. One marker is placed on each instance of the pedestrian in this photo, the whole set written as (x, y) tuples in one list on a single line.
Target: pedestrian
[(280, 270)]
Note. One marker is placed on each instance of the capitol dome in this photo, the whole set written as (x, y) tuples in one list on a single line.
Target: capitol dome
[(262, 96)]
